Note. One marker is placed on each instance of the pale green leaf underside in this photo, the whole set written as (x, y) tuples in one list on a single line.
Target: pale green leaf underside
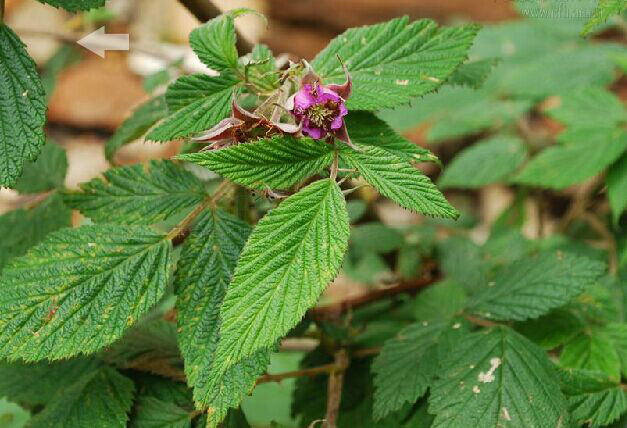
[(101, 399), (497, 379), (603, 12), (136, 125), (79, 289), (392, 62), (195, 103), (22, 108), (405, 367), (46, 173), (366, 128), (138, 195), (291, 256), (531, 287), (277, 163), (75, 5), (214, 43), (572, 162), (398, 180), (204, 271), (483, 163)]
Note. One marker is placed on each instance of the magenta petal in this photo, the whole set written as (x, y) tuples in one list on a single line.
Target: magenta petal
[(304, 99), (315, 133), (337, 123)]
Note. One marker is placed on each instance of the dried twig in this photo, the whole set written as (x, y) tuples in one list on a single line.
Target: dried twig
[(334, 389)]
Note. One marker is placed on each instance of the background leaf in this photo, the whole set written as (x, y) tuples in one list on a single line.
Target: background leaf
[(603, 12), (278, 163), (533, 286), (393, 62), (398, 180), (617, 187), (23, 108), (79, 289), (136, 125), (485, 162), (592, 350), (138, 195), (291, 256), (99, 399), (46, 173), (75, 5)]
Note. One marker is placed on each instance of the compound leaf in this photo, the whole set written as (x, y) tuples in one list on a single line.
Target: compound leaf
[(395, 61), (22, 110), (79, 289), (277, 163), (398, 180), (592, 350), (151, 412), (497, 379), (195, 103), (204, 271), (532, 286), (138, 195), (291, 256)]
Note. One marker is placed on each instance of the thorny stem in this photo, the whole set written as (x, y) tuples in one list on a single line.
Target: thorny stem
[(334, 389)]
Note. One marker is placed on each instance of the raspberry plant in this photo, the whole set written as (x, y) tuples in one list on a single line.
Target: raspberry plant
[(166, 309)]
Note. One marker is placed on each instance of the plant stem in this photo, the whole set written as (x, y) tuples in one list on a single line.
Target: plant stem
[(204, 10), (334, 167), (184, 224), (334, 389), (311, 372)]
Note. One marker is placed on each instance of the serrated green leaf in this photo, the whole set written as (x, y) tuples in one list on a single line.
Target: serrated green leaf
[(75, 5), (46, 173), (552, 330), (195, 103), (563, 165), (278, 162), (21, 229), (136, 125), (532, 286), (37, 384), (406, 366), (617, 187), (23, 108), (291, 256), (214, 43), (261, 71), (65, 56), (594, 400), (136, 195), (393, 62), (590, 107), (79, 289), (484, 163), (398, 180), (497, 378), (366, 128), (150, 412), (462, 261), (592, 350), (473, 73), (101, 399), (205, 268), (617, 332), (603, 12)]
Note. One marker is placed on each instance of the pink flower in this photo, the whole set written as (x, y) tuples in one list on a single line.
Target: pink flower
[(320, 109)]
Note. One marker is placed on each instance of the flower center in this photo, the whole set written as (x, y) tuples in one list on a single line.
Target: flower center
[(322, 115)]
